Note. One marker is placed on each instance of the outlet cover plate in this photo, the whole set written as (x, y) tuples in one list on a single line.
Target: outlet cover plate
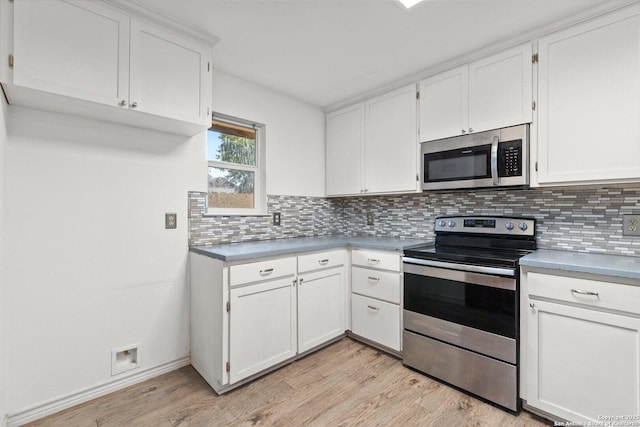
[(276, 218), (631, 225), (170, 220), (369, 218)]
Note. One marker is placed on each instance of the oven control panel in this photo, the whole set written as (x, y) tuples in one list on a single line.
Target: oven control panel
[(486, 225)]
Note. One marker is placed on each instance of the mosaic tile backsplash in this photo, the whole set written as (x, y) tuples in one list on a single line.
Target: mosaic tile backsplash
[(583, 220)]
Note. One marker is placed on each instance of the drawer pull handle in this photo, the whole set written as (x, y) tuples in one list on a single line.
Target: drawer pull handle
[(373, 308), (373, 260), (267, 271), (323, 261), (374, 279), (578, 291)]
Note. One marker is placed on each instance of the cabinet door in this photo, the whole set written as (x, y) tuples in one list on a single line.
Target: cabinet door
[(262, 327), (500, 90), (582, 363), (444, 104), (589, 102), (169, 74), (320, 308), (391, 144), (72, 48), (344, 138), (376, 320)]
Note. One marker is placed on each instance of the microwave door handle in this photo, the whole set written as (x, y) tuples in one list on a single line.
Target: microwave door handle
[(494, 159)]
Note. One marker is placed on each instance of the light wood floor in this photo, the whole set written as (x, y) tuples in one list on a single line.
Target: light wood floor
[(344, 384)]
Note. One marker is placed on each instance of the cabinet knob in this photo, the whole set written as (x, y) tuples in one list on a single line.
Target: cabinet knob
[(531, 305), (464, 131), (470, 130), (122, 103), (134, 105)]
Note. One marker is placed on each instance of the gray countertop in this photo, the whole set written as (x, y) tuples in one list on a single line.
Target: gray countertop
[(266, 248), (609, 265)]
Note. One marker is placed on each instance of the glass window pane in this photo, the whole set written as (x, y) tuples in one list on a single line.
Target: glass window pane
[(231, 143), (231, 188)]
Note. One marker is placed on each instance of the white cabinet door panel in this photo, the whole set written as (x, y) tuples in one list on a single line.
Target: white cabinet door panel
[(589, 102), (168, 74), (391, 142), (344, 139), (262, 327), (500, 89), (582, 363), (376, 320), (444, 104), (320, 308), (72, 48)]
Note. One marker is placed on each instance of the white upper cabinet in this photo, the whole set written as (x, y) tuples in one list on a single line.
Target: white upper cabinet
[(372, 146), (344, 139), (168, 74), (490, 93), (79, 50), (95, 60), (391, 142), (444, 108), (589, 102)]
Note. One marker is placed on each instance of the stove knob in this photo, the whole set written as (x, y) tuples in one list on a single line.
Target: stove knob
[(442, 223), (452, 224), (509, 226), (522, 226)]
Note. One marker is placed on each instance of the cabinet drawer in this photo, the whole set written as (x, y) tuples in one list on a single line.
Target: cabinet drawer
[(383, 285), (262, 270), (320, 260), (376, 320), (612, 296), (381, 260)]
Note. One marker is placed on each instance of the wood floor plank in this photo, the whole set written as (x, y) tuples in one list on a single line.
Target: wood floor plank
[(345, 384)]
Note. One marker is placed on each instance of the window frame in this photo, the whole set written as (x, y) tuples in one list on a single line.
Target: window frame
[(259, 170)]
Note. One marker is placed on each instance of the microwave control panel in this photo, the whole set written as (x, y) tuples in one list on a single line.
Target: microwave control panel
[(510, 158)]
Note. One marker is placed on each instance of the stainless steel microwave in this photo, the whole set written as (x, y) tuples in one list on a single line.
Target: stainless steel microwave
[(495, 158)]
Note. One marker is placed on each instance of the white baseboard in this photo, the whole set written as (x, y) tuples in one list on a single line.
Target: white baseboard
[(42, 410)]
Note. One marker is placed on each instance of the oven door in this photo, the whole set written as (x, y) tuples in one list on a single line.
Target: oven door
[(470, 309)]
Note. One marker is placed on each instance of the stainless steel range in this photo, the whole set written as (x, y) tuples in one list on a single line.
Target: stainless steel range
[(461, 320)]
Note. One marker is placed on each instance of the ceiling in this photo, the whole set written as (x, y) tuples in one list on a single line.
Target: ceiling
[(327, 51)]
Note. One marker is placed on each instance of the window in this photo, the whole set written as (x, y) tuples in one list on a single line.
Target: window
[(235, 155)]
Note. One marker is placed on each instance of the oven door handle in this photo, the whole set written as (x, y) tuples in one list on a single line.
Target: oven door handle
[(462, 267), (490, 280)]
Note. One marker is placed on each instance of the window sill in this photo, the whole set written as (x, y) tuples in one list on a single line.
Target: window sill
[(236, 213)]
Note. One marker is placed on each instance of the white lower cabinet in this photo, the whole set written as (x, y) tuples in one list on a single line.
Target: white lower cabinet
[(320, 307), (581, 347), (249, 317), (376, 280), (376, 320), (262, 327)]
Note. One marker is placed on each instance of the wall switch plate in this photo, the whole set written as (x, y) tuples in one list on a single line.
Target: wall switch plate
[(170, 220), (369, 218), (276, 218), (631, 225)]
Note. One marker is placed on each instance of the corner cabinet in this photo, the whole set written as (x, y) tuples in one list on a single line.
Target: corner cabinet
[(248, 318), (589, 102), (96, 60), (580, 346), (493, 92), (372, 146)]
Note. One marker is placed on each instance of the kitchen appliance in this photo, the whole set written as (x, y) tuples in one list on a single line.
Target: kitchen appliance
[(460, 310), (495, 158)]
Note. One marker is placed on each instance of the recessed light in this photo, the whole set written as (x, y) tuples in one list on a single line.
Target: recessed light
[(409, 3)]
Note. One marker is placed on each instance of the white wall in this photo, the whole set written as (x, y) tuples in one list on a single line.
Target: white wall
[(89, 264), (294, 130), (3, 140)]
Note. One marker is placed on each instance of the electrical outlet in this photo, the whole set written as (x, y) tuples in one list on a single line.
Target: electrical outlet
[(631, 225), (276, 218), (369, 218), (170, 220)]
